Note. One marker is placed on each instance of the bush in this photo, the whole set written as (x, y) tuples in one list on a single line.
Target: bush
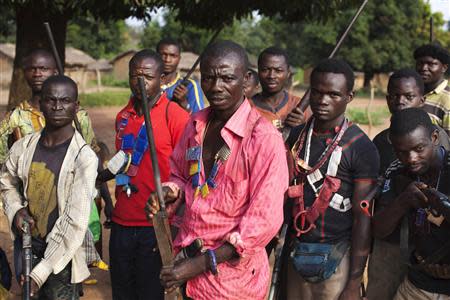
[(359, 115), (113, 98), (109, 80), (365, 93)]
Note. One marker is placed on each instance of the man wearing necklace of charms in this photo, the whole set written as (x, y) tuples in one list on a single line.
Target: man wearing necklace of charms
[(336, 170), (231, 165), (410, 190)]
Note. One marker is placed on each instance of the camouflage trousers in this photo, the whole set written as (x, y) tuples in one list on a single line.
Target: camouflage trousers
[(58, 286)]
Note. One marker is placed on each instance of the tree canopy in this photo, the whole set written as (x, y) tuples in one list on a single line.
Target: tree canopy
[(382, 39), (101, 39), (30, 15)]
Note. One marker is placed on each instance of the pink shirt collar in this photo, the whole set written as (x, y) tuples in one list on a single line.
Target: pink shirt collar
[(237, 124)]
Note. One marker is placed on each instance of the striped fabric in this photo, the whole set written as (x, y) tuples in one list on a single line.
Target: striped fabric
[(245, 209), (437, 104), (194, 95), (91, 253)]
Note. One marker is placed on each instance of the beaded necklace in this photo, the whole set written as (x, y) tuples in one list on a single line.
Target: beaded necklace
[(134, 147), (302, 166), (195, 155)]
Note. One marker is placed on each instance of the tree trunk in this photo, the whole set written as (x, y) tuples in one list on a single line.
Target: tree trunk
[(30, 35), (367, 79)]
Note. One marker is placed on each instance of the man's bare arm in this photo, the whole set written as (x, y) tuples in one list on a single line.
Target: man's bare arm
[(360, 240)]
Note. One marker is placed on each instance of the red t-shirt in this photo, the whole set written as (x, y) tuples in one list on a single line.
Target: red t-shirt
[(168, 122)]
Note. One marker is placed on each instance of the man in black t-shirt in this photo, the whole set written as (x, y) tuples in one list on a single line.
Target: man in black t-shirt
[(48, 180), (405, 89), (386, 267), (336, 171), (410, 198)]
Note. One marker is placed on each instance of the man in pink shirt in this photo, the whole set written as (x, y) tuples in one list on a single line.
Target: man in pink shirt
[(229, 169)]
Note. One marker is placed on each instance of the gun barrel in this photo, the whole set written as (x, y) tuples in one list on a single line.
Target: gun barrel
[(277, 263), (26, 260), (151, 144), (197, 61), (304, 103), (55, 51), (347, 30), (59, 66), (160, 220)]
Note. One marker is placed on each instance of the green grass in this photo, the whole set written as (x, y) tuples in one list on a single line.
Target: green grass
[(359, 115), (113, 98), (299, 74), (365, 93), (109, 80)]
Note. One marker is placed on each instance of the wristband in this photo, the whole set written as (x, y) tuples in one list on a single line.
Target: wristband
[(212, 261)]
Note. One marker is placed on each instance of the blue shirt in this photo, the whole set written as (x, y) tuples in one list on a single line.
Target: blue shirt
[(194, 96)]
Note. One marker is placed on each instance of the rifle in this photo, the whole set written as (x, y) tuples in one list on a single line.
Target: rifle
[(26, 260), (304, 102), (431, 30), (194, 66), (59, 66), (160, 219), (277, 264)]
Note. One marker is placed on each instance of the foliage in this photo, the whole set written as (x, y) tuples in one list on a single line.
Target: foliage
[(109, 80), (30, 14), (359, 115), (212, 14), (205, 14), (96, 37), (194, 39), (381, 40), (110, 98), (7, 25)]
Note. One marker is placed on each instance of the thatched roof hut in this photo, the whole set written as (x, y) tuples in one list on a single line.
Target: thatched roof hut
[(75, 67), (7, 54), (120, 64)]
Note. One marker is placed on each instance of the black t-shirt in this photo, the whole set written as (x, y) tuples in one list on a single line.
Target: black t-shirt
[(42, 188), (386, 151), (359, 161), (424, 241)]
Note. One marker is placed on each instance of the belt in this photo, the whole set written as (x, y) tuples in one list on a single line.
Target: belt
[(438, 271)]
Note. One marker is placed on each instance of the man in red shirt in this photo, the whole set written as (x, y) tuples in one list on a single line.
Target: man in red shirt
[(134, 260)]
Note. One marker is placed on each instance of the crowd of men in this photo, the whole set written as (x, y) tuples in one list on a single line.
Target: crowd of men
[(232, 174)]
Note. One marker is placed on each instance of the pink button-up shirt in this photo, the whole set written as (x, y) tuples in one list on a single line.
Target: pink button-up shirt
[(245, 209)]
